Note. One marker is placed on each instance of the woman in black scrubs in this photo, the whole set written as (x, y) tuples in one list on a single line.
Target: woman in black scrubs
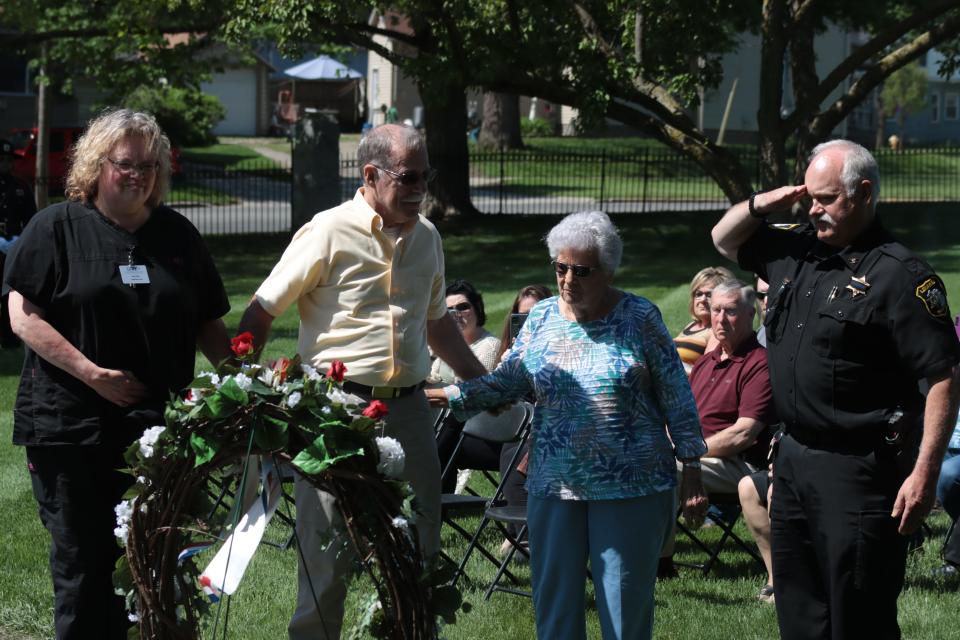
[(111, 292)]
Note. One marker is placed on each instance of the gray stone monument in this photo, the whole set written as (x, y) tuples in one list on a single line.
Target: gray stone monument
[(316, 165)]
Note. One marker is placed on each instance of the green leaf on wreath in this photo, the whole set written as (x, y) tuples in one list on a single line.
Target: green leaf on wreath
[(323, 453), (202, 382), (232, 391), (130, 455), (270, 433), (133, 633), (122, 577), (363, 424), (204, 448)]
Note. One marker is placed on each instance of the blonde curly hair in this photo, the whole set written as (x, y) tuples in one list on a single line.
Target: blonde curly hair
[(102, 135)]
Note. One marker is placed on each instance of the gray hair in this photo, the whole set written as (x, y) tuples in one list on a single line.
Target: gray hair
[(384, 144), (858, 165), (746, 295), (586, 231)]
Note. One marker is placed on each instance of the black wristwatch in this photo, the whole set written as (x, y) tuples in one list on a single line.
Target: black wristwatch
[(759, 215)]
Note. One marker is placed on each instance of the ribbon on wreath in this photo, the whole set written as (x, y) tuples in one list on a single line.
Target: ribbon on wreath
[(225, 571)]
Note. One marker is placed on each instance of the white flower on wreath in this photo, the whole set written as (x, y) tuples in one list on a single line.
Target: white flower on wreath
[(310, 372), (192, 396), (211, 376), (399, 522), (149, 439), (244, 382), (123, 510), (342, 397), (267, 376), (392, 457), (294, 399), (133, 617)]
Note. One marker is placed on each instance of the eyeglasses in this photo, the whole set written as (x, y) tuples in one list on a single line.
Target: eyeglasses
[(410, 177), (460, 306), (698, 294), (579, 270), (126, 167)]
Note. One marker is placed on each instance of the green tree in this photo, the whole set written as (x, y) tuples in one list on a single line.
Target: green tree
[(642, 62), (903, 93)]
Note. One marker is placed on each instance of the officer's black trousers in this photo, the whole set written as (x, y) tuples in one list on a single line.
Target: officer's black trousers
[(77, 488), (838, 561)]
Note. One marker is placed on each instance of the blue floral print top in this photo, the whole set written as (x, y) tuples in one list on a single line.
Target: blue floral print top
[(608, 393)]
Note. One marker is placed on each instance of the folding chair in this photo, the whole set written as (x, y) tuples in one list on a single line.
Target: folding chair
[(510, 426), (729, 504)]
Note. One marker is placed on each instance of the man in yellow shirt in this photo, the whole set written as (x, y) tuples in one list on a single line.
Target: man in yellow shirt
[(368, 280)]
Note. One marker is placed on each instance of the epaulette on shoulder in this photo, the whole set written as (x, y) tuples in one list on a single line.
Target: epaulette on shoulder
[(910, 261)]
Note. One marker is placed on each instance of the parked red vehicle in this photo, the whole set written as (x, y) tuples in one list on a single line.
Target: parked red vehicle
[(62, 139)]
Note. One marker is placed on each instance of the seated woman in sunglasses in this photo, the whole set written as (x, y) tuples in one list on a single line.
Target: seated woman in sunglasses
[(695, 339), (606, 379), (465, 304)]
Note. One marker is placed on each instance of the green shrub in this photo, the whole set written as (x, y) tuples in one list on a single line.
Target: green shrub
[(187, 116), (536, 128)]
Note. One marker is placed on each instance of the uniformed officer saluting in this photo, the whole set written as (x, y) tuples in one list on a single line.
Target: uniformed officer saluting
[(854, 320), (17, 206)]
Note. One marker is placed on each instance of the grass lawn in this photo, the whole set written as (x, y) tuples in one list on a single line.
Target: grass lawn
[(499, 255), (229, 156)]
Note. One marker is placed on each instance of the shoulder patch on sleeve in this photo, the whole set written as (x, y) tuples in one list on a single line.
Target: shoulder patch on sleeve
[(784, 226), (933, 295)]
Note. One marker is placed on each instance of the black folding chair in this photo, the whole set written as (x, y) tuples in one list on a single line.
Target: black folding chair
[(510, 426), (726, 516)]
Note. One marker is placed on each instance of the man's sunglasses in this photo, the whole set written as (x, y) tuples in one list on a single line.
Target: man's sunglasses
[(410, 177), (579, 270), (460, 306)]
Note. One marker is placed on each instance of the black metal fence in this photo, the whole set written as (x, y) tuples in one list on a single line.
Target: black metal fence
[(255, 196)]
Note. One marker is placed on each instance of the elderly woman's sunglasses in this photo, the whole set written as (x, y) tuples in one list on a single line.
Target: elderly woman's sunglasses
[(410, 177), (579, 270)]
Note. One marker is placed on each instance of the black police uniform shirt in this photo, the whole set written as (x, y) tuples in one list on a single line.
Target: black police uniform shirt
[(67, 263), (17, 205), (849, 332)]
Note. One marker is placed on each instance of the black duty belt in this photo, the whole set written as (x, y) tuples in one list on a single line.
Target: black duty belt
[(380, 392), (838, 439)]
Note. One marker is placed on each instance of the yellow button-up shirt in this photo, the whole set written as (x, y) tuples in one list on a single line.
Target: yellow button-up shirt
[(363, 298)]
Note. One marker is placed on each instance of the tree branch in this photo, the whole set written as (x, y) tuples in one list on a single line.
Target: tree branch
[(896, 59), (26, 39)]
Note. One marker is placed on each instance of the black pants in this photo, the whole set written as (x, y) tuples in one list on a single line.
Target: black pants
[(838, 561), (77, 488), (951, 548)]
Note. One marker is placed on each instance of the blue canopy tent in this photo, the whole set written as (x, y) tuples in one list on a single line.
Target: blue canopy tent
[(323, 83)]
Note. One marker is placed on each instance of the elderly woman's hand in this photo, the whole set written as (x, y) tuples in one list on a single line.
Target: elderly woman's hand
[(693, 499), (436, 398)]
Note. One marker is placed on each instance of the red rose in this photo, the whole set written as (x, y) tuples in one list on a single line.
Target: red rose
[(337, 370), (280, 368), (376, 410), (242, 344)]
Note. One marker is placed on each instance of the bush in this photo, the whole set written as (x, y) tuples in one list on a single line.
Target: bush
[(187, 116), (536, 128)]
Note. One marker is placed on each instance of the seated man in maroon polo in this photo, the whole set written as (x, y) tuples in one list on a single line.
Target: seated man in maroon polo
[(731, 386)]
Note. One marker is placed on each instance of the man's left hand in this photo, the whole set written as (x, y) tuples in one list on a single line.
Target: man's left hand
[(914, 501)]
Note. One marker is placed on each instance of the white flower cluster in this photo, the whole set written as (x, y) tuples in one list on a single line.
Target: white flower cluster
[(294, 399), (242, 381), (391, 457), (310, 372), (123, 510), (214, 378), (340, 396), (399, 522), (149, 439)]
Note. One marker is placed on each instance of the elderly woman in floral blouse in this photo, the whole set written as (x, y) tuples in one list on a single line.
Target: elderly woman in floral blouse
[(602, 476)]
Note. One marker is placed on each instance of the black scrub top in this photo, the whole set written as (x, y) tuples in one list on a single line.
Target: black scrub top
[(849, 332), (67, 263)]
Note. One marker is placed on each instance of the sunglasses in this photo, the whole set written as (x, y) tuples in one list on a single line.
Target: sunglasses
[(460, 306), (125, 167), (579, 270), (410, 177)]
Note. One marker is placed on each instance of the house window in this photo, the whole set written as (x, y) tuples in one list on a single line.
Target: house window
[(14, 76), (951, 106), (934, 107)]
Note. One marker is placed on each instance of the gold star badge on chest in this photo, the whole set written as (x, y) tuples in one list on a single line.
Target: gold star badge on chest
[(858, 286)]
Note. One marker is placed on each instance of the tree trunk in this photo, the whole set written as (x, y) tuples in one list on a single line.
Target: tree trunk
[(501, 122), (769, 123), (445, 118)]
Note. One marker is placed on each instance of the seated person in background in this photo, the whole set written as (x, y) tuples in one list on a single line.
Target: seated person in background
[(948, 493), (465, 304), (731, 386), (514, 490), (696, 339)]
